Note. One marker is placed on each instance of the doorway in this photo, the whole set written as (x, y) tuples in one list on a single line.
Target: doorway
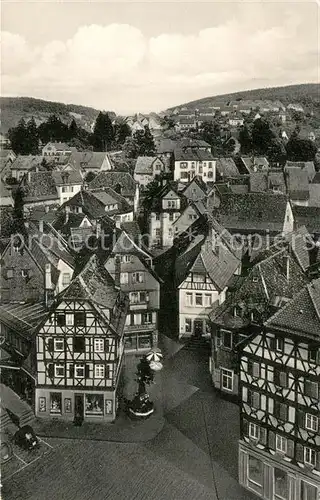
[(198, 327), (78, 409)]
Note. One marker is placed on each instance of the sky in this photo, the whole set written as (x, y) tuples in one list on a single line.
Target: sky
[(148, 56)]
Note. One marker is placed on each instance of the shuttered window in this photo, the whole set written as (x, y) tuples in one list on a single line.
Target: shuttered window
[(50, 370), (311, 389), (280, 378), (281, 411)]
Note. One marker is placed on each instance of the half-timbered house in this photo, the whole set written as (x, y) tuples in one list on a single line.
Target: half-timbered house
[(279, 447), (80, 349), (273, 280)]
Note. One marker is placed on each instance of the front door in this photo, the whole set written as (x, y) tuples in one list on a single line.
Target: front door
[(198, 327), (78, 409)]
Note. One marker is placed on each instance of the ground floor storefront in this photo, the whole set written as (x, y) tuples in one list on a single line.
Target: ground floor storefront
[(140, 341), (275, 480), (193, 325), (77, 405)]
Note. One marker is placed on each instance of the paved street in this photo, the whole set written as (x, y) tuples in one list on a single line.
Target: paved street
[(194, 456)]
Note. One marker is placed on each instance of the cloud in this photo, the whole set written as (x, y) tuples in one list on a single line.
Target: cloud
[(117, 67)]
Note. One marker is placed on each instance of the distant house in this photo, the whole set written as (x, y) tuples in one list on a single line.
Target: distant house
[(146, 169), (307, 166), (236, 120), (192, 161), (226, 168), (185, 123), (121, 182), (192, 212), (90, 161), (295, 107), (196, 189), (22, 164), (309, 217), (4, 142), (254, 164), (56, 150), (297, 185), (204, 280)]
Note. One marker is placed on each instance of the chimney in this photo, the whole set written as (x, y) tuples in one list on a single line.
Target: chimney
[(117, 271), (48, 282), (118, 223), (41, 226), (46, 209), (29, 176)]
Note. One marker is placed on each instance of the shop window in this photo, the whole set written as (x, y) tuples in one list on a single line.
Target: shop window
[(130, 342), (308, 491), (94, 404), (145, 341), (55, 402), (255, 472), (280, 484)]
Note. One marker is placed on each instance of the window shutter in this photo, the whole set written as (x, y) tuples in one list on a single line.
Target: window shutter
[(263, 436), (301, 418), (71, 371), (283, 412), (272, 440), (256, 400), (290, 448), (245, 427), (250, 367), (87, 373), (299, 453), (50, 345), (50, 370), (276, 376), (106, 345), (311, 389), (255, 369), (283, 379)]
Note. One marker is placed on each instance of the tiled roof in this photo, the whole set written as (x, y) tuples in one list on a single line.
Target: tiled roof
[(115, 180), (252, 211), (66, 222), (187, 121), (192, 193), (23, 318), (4, 192), (26, 162), (109, 196), (314, 195), (87, 159), (226, 167), (192, 143), (258, 182), (144, 165), (307, 166), (59, 146), (307, 216), (265, 285), (131, 228), (192, 154), (301, 315), (165, 145), (93, 283), (255, 164), (67, 177), (90, 204), (316, 178), (297, 183)]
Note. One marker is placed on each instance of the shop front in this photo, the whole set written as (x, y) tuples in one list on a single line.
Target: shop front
[(78, 406), (140, 341)]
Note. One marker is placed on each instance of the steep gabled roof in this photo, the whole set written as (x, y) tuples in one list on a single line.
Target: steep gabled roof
[(305, 166), (301, 315), (226, 167), (144, 164), (255, 164), (297, 183), (40, 186), (307, 216), (114, 180), (23, 318)]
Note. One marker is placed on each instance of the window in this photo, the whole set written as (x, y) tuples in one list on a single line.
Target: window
[(124, 278), (137, 277), (280, 411), (189, 300), (10, 273), (157, 216), (65, 279), (183, 164), (171, 216), (227, 339), (99, 371), (198, 299), (308, 491), (79, 371), (309, 456), (198, 278), (253, 431), (158, 233), (94, 404), (280, 378), (227, 379), (55, 402), (255, 470), (210, 164), (98, 345), (193, 165), (313, 354), (59, 344), (281, 443), (79, 344), (207, 300), (147, 318), (280, 484), (59, 370), (188, 325), (277, 344), (254, 399), (80, 319), (139, 297), (253, 369), (311, 422), (311, 389), (61, 319), (69, 319), (210, 174)]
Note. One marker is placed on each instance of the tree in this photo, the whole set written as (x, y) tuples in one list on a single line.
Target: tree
[(261, 136), (141, 144), (277, 152), (32, 137), (245, 139), (73, 129), (300, 149), (103, 133), (121, 132), (90, 176), (19, 138), (144, 374), (167, 122), (130, 149)]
